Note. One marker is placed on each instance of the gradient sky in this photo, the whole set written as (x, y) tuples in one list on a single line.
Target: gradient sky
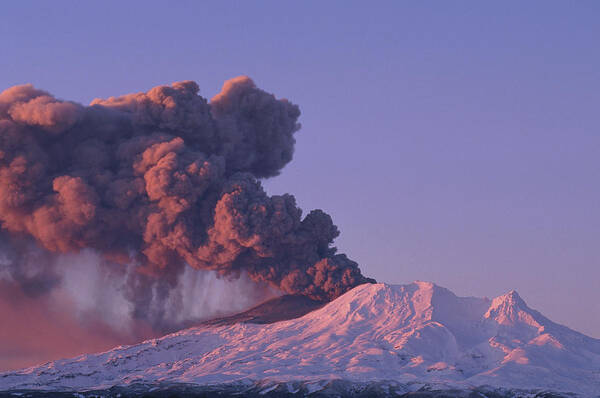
[(456, 142)]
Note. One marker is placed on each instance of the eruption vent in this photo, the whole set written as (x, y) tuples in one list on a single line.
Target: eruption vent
[(160, 180)]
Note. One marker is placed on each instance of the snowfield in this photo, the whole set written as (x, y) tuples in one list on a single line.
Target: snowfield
[(406, 335)]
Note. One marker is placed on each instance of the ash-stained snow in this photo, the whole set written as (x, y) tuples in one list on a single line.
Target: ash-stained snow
[(407, 334)]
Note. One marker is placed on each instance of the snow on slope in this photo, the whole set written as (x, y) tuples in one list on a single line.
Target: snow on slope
[(408, 333)]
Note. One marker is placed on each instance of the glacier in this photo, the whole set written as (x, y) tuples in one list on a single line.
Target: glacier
[(386, 339)]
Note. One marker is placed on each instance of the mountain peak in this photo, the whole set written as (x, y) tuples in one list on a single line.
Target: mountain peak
[(415, 333), (511, 309), (512, 299), (425, 285), (513, 295)]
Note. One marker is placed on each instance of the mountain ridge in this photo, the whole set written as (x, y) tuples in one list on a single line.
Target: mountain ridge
[(415, 333)]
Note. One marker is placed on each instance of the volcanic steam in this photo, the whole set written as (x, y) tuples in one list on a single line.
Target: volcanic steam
[(155, 182)]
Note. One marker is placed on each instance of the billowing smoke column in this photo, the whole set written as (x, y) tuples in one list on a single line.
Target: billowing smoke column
[(161, 179)]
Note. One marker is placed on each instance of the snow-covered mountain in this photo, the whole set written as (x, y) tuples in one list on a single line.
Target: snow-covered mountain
[(405, 336)]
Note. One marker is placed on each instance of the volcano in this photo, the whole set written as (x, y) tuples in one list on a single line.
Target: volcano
[(375, 340)]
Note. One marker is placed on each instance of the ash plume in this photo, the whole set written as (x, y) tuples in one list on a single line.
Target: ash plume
[(160, 181)]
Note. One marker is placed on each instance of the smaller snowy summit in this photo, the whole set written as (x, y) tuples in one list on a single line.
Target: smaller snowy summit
[(399, 338)]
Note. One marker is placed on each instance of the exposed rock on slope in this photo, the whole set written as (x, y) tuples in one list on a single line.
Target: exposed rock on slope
[(276, 309)]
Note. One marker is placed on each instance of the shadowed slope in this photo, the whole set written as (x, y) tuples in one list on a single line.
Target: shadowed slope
[(276, 309)]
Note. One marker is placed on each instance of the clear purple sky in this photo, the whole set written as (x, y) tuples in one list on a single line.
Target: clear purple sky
[(456, 142)]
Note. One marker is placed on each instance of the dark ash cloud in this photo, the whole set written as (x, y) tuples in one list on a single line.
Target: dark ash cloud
[(163, 180)]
